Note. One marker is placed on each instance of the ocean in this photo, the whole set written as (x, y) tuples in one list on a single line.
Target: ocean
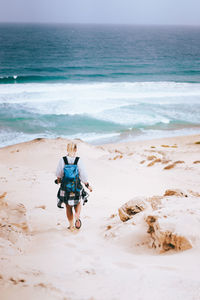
[(98, 83)]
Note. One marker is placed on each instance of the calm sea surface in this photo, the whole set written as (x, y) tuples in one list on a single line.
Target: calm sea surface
[(98, 83)]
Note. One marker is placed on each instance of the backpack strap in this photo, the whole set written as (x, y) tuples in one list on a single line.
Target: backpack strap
[(65, 160), (76, 160)]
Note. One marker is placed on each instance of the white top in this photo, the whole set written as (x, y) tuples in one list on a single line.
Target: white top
[(81, 169)]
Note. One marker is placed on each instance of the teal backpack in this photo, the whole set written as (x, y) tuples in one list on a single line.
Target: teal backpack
[(71, 182)]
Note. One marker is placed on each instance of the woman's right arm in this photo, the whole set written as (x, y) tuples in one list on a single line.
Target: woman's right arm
[(83, 175)]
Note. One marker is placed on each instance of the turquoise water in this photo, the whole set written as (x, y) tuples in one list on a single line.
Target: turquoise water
[(98, 83)]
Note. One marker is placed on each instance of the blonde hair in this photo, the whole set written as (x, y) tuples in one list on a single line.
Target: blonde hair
[(71, 148)]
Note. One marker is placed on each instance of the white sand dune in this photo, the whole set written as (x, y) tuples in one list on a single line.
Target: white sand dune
[(107, 258)]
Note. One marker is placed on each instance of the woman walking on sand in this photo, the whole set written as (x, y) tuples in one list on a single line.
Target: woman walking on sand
[(72, 199)]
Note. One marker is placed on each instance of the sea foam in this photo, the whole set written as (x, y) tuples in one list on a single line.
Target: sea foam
[(103, 109)]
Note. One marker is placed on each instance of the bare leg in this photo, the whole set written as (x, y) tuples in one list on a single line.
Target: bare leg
[(77, 210), (69, 214), (77, 215)]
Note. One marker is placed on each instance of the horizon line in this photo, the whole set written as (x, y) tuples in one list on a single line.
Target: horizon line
[(99, 24)]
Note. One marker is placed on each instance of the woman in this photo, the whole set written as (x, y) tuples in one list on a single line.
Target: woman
[(71, 156)]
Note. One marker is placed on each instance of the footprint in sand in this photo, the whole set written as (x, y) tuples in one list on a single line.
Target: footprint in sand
[(157, 160), (130, 154), (41, 284), (118, 157), (108, 227), (16, 281), (142, 161), (168, 167), (41, 206), (3, 195), (87, 271), (151, 157), (154, 161), (171, 166), (3, 179)]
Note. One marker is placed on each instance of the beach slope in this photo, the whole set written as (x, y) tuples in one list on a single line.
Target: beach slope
[(147, 248)]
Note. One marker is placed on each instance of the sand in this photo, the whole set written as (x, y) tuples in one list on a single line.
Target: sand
[(154, 254)]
